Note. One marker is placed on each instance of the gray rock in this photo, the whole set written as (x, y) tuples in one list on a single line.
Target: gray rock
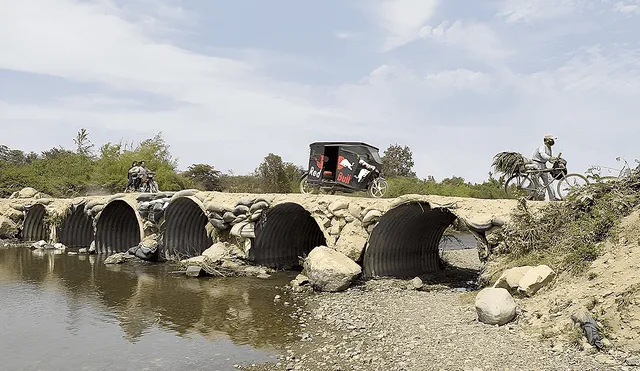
[(228, 217), (495, 306), (194, 271), (416, 283), (330, 270), (118, 258), (633, 361)]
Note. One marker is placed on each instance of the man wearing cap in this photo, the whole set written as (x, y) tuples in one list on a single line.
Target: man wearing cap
[(541, 156)]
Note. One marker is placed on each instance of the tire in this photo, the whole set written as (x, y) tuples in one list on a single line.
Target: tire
[(304, 185), (378, 188), (566, 184), (520, 186)]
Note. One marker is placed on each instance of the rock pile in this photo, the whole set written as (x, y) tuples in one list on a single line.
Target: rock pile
[(525, 280), (222, 259)]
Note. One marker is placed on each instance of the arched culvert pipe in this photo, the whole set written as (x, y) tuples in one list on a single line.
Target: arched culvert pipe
[(405, 241), (76, 229), (118, 228), (185, 233), (34, 228), (284, 233)]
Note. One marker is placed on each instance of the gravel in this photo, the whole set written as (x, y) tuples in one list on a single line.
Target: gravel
[(389, 324)]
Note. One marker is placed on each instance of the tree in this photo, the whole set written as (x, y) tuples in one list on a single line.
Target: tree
[(85, 147), (273, 177), (204, 176), (397, 161)]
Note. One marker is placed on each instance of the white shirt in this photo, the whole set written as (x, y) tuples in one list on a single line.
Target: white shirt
[(542, 154)]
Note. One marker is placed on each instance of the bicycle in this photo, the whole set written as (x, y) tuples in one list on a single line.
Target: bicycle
[(625, 171), (526, 184)]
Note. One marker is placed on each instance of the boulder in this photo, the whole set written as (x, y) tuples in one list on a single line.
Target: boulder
[(330, 270), (352, 241), (510, 279), (300, 280), (535, 279), (195, 271), (8, 229), (495, 306), (27, 192), (216, 252)]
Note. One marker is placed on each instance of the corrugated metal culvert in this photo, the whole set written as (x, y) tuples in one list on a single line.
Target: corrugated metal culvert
[(185, 233), (284, 233), (405, 241), (117, 229), (34, 228), (76, 229)]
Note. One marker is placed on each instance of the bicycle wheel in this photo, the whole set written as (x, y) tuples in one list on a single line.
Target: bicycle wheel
[(570, 182), (519, 186)]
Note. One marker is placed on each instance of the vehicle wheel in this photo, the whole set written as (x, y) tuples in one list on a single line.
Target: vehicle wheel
[(570, 181), (520, 186), (378, 188), (304, 185)]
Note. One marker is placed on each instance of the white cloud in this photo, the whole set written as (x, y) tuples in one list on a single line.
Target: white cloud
[(627, 7), (402, 19), (539, 10), (346, 35), (475, 38)]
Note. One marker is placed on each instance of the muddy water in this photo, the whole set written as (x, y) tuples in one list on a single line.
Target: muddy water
[(64, 312)]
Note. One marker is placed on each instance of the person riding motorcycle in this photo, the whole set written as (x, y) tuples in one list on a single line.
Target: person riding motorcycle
[(541, 156)]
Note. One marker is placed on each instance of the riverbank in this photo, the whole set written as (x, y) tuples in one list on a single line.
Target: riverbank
[(384, 325)]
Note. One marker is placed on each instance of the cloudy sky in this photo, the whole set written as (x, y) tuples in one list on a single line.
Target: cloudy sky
[(229, 81)]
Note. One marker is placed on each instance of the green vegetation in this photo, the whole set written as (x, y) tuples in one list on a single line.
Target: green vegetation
[(88, 169), (569, 235)]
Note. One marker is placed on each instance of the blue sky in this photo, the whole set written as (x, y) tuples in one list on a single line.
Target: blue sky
[(227, 82)]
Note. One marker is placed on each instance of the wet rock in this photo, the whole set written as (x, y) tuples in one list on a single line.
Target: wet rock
[(59, 246), (83, 251), (92, 247), (535, 279), (39, 245), (330, 270), (263, 275), (510, 278), (8, 229), (495, 306), (118, 258), (194, 271), (300, 280)]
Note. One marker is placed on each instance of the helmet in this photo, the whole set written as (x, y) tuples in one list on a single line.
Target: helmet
[(550, 139)]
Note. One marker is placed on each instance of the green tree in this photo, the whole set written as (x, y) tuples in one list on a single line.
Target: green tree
[(397, 161), (273, 178), (204, 176), (84, 145)]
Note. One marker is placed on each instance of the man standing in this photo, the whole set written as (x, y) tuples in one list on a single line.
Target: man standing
[(541, 156)]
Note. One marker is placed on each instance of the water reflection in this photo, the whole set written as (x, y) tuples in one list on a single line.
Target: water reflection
[(80, 296)]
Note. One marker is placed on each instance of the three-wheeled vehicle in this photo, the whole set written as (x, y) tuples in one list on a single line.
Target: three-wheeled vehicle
[(345, 167)]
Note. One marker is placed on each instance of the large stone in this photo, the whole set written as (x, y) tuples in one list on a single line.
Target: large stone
[(510, 279), (495, 306), (535, 279), (216, 252), (352, 241), (118, 258), (330, 270), (27, 192), (8, 229), (338, 205), (195, 271)]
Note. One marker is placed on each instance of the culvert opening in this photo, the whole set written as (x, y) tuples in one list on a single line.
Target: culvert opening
[(117, 229), (283, 234), (405, 242), (34, 228), (185, 233), (76, 230)]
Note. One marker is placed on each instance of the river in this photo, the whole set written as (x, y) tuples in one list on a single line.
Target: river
[(72, 312), (65, 312)]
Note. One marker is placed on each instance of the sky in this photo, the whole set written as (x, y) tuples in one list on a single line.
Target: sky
[(227, 82)]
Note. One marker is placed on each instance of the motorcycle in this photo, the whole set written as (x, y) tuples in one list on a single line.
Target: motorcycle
[(148, 184)]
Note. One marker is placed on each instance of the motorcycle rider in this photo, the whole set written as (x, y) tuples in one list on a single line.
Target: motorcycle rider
[(541, 156), (133, 175)]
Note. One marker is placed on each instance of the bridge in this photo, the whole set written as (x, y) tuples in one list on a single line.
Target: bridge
[(396, 237)]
